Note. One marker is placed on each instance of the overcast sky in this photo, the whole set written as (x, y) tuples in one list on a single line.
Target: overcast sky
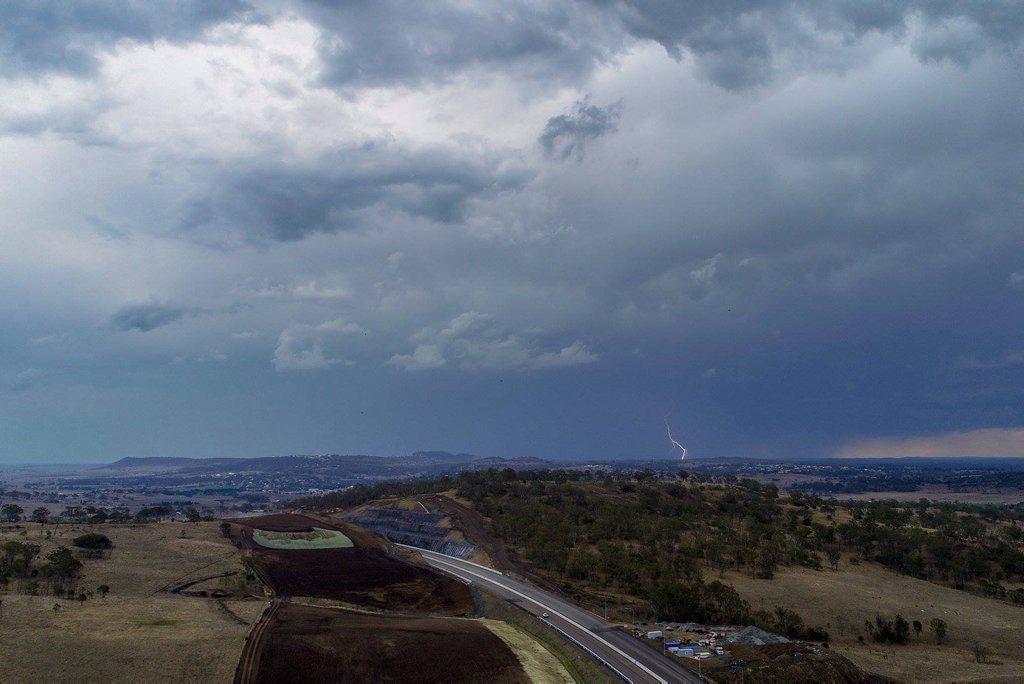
[(537, 228)]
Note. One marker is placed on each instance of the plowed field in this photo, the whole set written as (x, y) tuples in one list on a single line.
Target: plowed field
[(312, 644), (363, 575), (305, 643)]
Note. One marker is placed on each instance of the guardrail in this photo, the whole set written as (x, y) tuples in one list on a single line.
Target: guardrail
[(589, 652)]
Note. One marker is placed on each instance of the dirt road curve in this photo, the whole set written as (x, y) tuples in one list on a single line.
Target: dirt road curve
[(249, 662)]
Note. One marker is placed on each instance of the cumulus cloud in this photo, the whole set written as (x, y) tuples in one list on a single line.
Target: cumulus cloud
[(567, 135), (348, 189), (41, 37), (424, 357), (736, 45), (147, 317), (304, 347), (387, 42), (311, 292), (821, 197), (474, 341), (991, 442)]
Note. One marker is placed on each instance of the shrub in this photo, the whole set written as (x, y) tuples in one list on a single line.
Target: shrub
[(93, 541)]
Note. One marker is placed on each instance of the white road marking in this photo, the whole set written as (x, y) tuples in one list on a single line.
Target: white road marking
[(555, 612)]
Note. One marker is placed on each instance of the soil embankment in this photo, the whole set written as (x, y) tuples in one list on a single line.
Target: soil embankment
[(315, 644), (403, 640)]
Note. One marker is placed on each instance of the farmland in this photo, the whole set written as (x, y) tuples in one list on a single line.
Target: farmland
[(363, 575), (843, 600), (378, 617), (139, 631), (312, 643), (181, 604)]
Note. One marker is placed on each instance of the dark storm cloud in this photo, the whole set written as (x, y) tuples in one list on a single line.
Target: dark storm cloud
[(39, 36), (340, 191), (383, 43), (566, 135), (146, 317), (735, 44)]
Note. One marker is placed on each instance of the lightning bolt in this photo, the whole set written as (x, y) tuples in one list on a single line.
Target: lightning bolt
[(677, 445)]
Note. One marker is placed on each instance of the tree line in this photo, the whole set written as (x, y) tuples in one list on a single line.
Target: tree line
[(665, 538)]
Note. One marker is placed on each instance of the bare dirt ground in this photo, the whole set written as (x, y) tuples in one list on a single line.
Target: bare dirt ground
[(305, 640), (139, 632), (316, 644), (363, 575), (842, 601)]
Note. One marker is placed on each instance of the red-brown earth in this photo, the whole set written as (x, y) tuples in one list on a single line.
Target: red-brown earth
[(363, 575), (304, 643), (313, 644)]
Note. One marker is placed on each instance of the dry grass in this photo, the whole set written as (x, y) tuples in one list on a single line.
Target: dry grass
[(843, 600), (993, 495), (138, 633), (540, 665)]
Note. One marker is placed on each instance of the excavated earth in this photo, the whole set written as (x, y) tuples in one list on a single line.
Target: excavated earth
[(364, 575), (408, 634), (310, 644)]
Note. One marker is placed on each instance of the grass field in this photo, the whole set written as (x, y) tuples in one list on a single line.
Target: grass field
[(841, 602), (940, 493), (138, 632), (318, 538)]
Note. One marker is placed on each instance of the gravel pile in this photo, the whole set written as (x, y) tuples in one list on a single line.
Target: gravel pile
[(752, 636)]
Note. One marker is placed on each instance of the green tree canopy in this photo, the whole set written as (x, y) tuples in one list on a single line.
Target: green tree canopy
[(11, 512), (93, 541), (62, 563)]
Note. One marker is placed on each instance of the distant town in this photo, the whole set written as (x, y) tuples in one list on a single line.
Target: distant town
[(213, 488)]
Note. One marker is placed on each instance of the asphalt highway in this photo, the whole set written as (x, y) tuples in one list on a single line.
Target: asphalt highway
[(632, 660)]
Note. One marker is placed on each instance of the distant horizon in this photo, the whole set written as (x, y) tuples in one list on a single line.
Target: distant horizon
[(681, 463)]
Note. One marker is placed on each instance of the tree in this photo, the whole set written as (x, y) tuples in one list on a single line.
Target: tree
[(41, 514), (62, 563), (119, 515), (767, 560), (11, 551), (833, 557), (917, 628), (11, 512), (938, 626), (28, 552), (93, 541), (154, 513), (901, 629)]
